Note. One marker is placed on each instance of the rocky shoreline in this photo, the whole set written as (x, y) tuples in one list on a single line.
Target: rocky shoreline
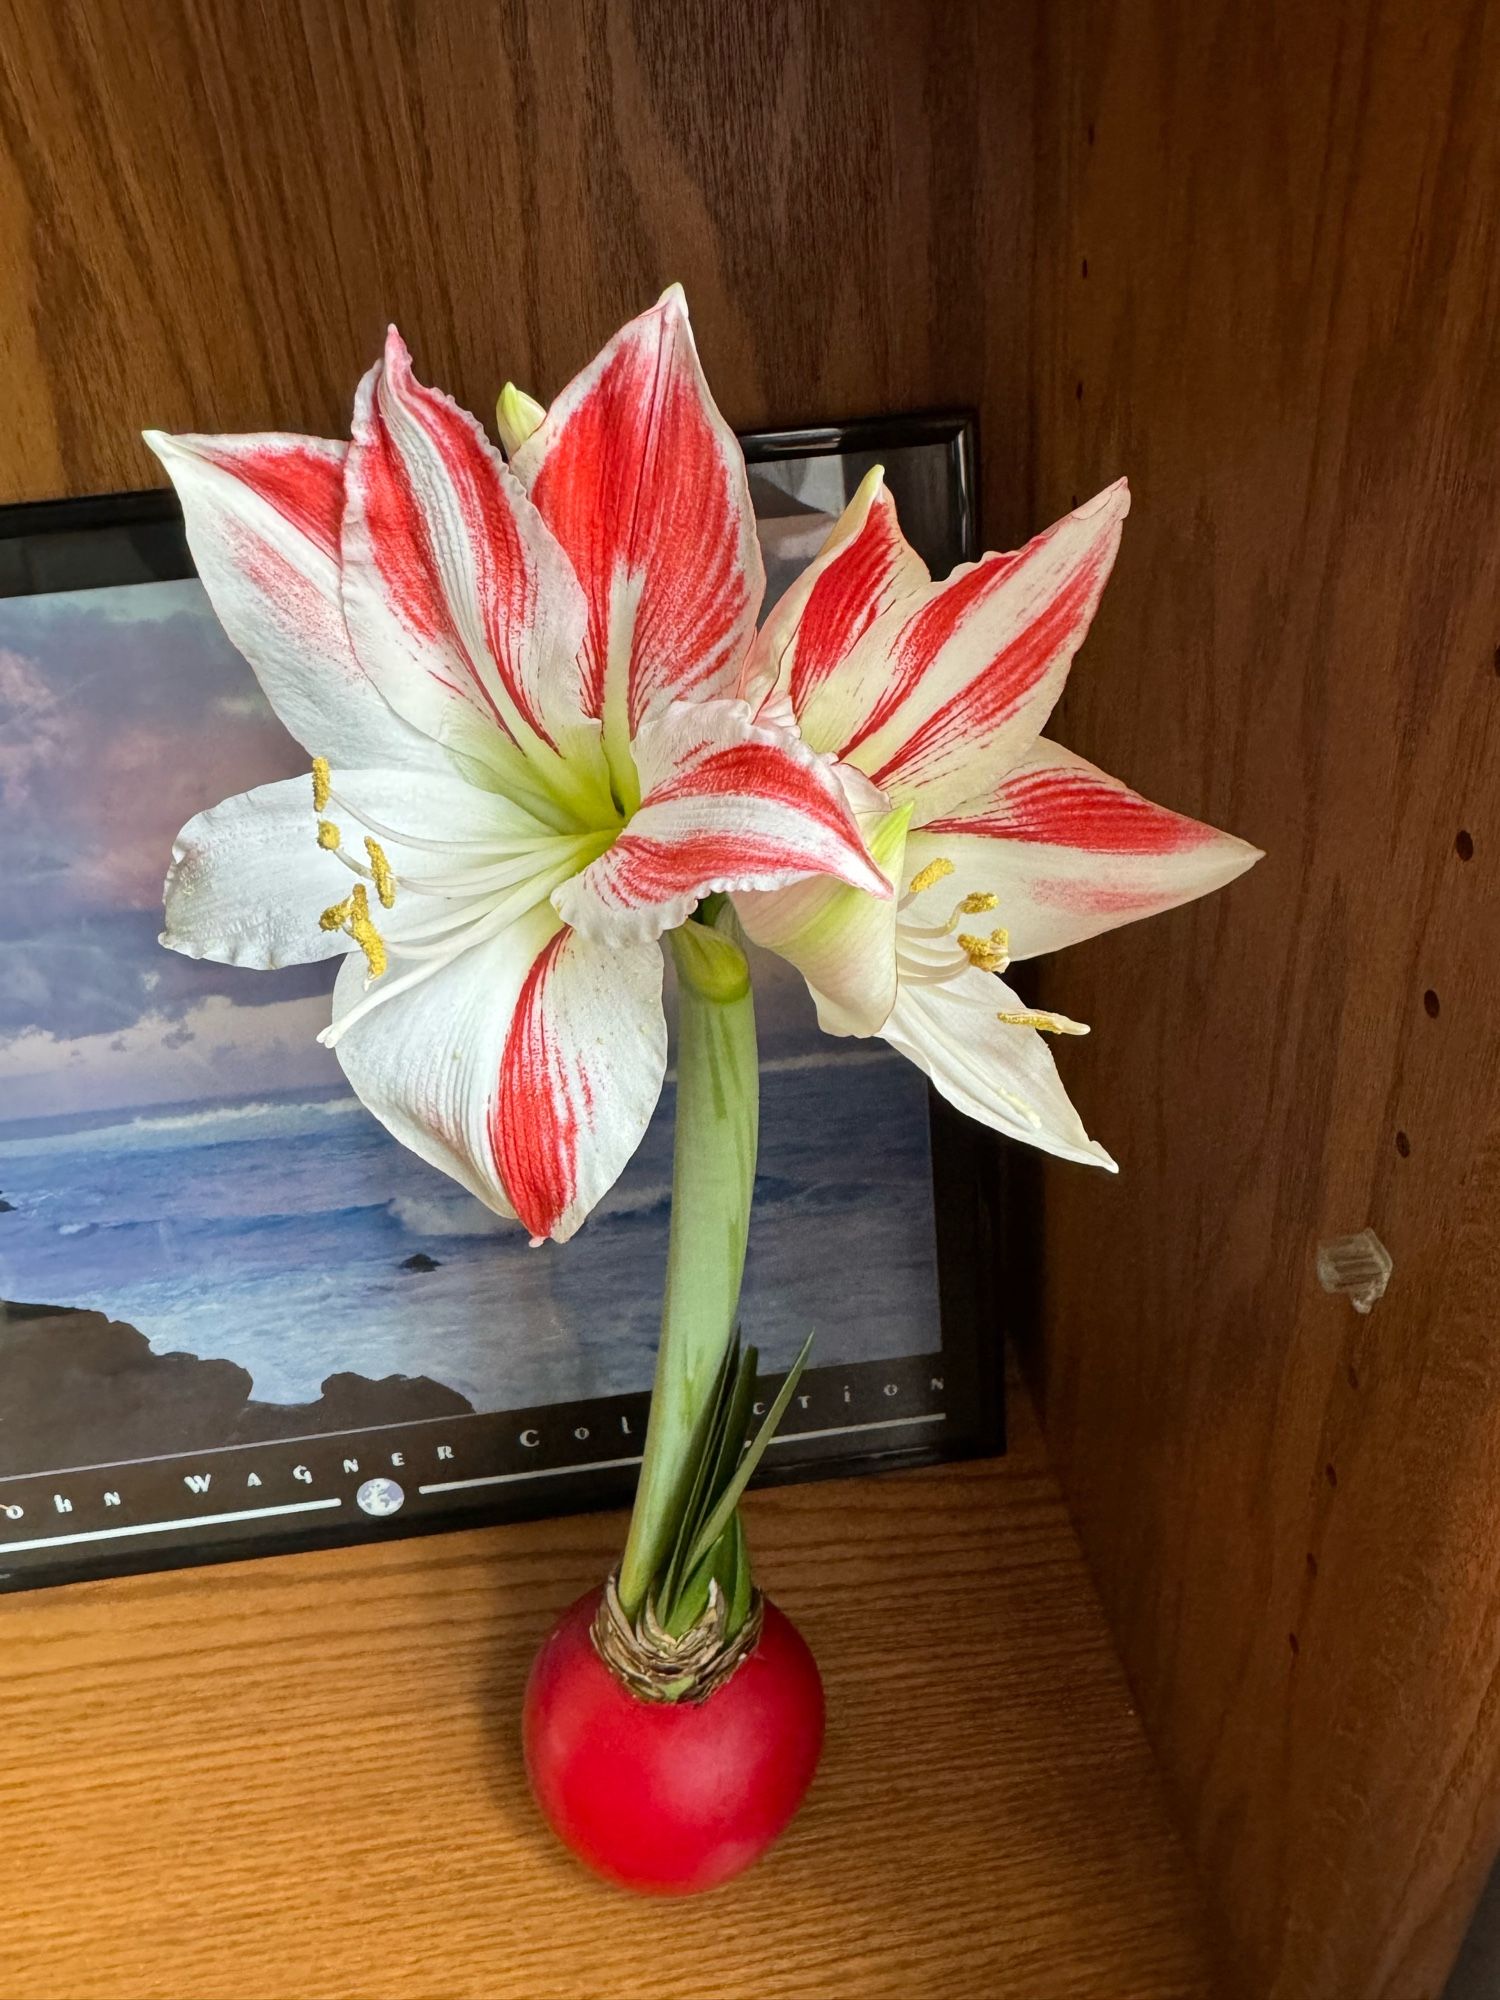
[(77, 1388)]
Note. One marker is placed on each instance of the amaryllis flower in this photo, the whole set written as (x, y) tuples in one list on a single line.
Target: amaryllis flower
[(528, 755), (932, 698)]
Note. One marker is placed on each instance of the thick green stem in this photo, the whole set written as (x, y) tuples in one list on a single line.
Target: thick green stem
[(713, 1181)]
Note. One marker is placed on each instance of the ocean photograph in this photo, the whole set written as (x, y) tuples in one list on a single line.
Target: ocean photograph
[(179, 1155)]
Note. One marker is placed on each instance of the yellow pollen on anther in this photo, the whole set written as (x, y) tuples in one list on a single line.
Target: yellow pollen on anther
[(322, 783), (1045, 1024), (925, 878), (336, 916), (979, 902), (328, 835), (380, 868), (983, 952), (364, 933)]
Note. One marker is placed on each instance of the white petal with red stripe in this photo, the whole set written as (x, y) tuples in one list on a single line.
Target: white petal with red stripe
[(863, 569), (953, 684), (644, 485), (527, 1069), (728, 804), (459, 602), (262, 516), (582, 1071), (1001, 1074), (1069, 851)]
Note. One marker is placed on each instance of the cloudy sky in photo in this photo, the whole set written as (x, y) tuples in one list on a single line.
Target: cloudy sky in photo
[(122, 713)]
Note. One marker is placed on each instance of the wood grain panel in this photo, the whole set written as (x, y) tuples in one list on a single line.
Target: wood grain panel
[(209, 209), (299, 1779), (1267, 289)]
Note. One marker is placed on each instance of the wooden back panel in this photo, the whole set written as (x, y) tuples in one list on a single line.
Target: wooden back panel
[(1269, 290), (209, 209)]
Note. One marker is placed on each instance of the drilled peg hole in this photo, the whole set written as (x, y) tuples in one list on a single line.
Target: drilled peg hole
[(1432, 1003), (1330, 1475), (1497, 650), (1353, 1375), (1078, 393), (1291, 1639), (1403, 1145), (1084, 268), (1463, 845)]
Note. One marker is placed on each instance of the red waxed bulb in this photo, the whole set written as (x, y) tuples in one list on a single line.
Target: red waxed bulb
[(670, 1798)]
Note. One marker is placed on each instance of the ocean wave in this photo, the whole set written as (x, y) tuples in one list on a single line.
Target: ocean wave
[(430, 1215), (216, 1124)]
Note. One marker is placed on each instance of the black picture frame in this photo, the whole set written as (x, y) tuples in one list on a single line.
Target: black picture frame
[(986, 1203)]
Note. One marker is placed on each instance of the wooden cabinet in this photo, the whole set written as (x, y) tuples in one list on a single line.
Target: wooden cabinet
[(1247, 255)]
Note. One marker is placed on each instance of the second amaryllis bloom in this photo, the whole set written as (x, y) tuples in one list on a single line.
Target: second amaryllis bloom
[(931, 699), (529, 758)]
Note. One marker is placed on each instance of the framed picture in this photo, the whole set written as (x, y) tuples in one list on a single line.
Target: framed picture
[(239, 1317)]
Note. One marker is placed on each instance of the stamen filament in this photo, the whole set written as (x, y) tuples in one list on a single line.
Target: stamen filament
[(448, 924), (402, 984), (492, 844), (435, 956), (475, 881)]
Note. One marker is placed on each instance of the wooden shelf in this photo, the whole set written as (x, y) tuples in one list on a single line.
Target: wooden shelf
[(298, 1779)]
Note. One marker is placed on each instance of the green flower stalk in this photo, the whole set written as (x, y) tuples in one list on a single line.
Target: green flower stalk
[(713, 1183)]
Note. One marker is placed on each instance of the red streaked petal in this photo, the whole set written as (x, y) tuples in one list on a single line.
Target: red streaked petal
[(728, 804), (299, 478), (1070, 852), (643, 483), (458, 600), (954, 683), (864, 567), (579, 1079), (262, 517), (533, 1055)]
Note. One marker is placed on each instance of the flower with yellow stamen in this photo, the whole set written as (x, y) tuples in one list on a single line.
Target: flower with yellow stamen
[(928, 698), (518, 690)]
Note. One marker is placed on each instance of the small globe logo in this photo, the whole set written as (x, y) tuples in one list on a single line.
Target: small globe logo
[(380, 1496)]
